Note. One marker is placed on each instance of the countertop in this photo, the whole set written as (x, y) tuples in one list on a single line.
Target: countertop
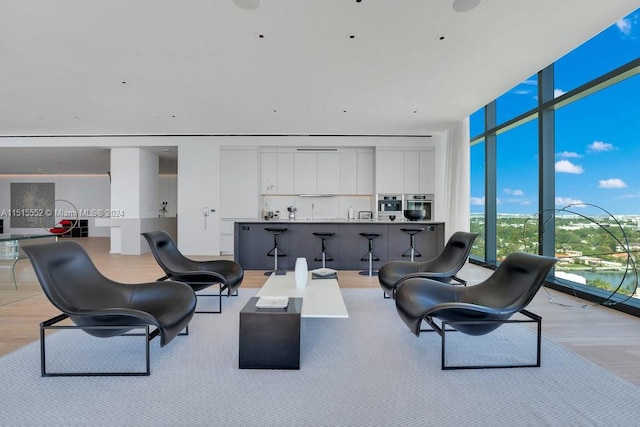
[(337, 221)]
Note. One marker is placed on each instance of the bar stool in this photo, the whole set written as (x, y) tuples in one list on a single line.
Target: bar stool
[(323, 258), (370, 256), (274, 252), (412, 252)]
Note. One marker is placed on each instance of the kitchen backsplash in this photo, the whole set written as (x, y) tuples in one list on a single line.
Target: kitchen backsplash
[(334, 207)]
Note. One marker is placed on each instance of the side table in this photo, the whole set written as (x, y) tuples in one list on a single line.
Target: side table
[(270, 337)]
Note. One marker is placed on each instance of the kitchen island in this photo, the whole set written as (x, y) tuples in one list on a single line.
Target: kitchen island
[(347, 247)]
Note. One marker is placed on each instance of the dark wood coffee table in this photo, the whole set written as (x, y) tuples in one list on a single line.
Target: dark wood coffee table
[(270, 337)]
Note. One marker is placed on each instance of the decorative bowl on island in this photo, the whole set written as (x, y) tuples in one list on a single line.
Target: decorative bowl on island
[(414, 214)]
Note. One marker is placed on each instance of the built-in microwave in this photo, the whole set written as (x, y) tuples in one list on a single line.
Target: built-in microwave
[(420, 202), (389, 204)]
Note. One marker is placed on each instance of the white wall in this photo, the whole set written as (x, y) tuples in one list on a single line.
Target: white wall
[(85, 192), (199, 188), (149, 184), (168, 192)]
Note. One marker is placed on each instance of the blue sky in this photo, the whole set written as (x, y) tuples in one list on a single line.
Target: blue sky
[(597, 137)]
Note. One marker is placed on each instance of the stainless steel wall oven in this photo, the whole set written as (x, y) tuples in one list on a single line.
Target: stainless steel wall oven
[(420, 201)]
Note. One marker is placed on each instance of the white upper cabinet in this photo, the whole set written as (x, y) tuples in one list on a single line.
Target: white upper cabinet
[(364, 179), (276, 172), (427, 172), (305, 172), (411, 172), (349, 171), (328, 173), (285, 173), (290, 171), (390, 172), (408, 171)]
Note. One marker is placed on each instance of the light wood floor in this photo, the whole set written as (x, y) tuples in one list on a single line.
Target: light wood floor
[(606, 337)]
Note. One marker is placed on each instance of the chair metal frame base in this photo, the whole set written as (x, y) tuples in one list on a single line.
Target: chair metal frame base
[(459, 280), (441, 330), (50, 324), (221, 288)]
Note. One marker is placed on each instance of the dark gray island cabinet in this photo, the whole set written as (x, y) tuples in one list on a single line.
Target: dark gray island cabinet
[(347, 248)]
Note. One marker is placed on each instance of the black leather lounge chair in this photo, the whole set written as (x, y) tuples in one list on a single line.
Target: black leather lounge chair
[(102, 307), (199, 275), (478, 309), (444, 267)]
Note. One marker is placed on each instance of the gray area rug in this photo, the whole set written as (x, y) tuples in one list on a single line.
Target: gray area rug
[(368, 370)]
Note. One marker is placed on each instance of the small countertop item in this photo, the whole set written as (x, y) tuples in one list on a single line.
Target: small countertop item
[(365, 215)]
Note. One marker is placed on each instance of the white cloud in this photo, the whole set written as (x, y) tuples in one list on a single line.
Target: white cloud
[(521, 92), (568, 154), (530, 82), (624, 25), (598, 146), (558, 92), (514, 192), (565, 166), (566, 201), (611, 183), (477, 201)]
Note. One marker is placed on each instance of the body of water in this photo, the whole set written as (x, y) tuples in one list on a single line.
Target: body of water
[(611, 277)]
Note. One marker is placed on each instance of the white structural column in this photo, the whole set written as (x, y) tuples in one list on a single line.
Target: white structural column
[(134, 194)]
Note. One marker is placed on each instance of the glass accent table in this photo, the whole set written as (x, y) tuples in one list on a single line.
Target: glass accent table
[(10, 248)]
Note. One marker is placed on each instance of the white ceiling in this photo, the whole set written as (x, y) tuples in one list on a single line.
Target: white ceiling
[(323, 67)]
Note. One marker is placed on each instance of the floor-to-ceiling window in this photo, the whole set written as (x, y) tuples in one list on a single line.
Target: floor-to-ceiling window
[(584, 131), (477, 214), (597, 179), (517, 190), (477, 156)]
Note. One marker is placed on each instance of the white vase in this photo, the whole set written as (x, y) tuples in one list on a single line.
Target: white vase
[(301, 272)]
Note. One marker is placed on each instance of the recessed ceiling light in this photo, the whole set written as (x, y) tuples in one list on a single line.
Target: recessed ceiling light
[(247, 4), (465, 5), (352, 36)]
